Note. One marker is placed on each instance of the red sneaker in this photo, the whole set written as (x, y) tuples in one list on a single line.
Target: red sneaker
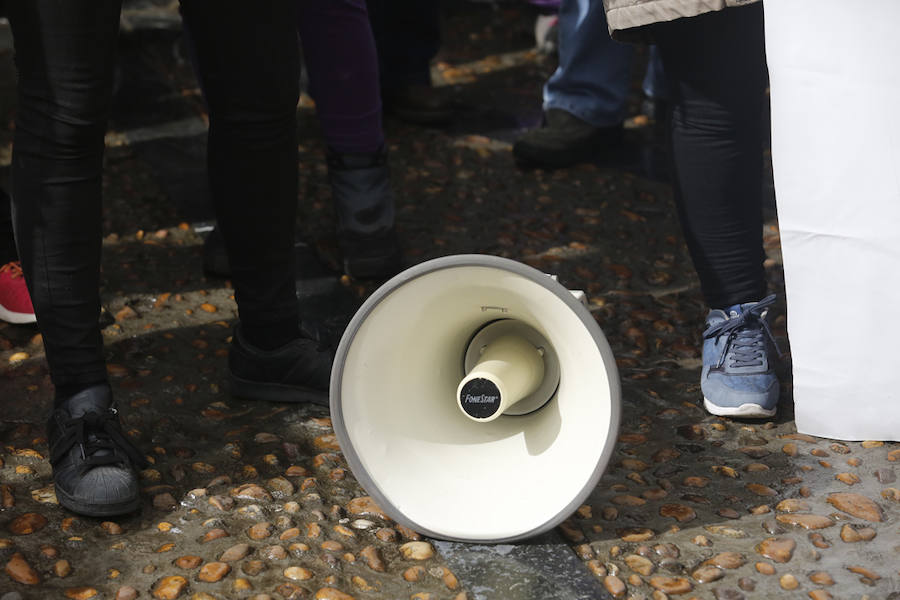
[(15, 303)]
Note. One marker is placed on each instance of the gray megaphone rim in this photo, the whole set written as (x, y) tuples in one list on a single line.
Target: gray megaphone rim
[(473, 260)]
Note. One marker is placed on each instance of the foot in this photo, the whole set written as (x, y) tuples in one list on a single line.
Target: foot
[(93, 462), (15, 303), (565, 140), (297, 372), (738, 377), (364, 203), (420, 104)]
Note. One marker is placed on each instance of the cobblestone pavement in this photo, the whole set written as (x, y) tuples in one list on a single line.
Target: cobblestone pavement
[(249, 500)]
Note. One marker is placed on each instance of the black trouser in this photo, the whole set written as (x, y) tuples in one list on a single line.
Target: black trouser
[(717, 74), (7, 241), (65, 53), (408, 36)]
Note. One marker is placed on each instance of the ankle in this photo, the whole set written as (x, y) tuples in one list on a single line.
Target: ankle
[(65, 391)]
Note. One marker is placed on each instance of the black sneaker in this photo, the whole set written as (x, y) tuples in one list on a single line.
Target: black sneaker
[(297, 372), (565, 140), (93, 462), (364, 204)]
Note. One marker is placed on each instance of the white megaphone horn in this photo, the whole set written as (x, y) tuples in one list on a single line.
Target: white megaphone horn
[(475, 399)]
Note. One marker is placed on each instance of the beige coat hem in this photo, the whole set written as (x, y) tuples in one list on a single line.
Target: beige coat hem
[(624, 15)]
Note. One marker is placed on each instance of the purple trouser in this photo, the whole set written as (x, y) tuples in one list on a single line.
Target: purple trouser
[(340, 55)]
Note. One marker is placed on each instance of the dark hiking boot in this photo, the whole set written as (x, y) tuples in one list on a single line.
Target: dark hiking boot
[(565, 140), (93, 462)]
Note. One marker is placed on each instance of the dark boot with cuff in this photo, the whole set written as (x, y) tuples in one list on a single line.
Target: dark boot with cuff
[(364, 205)]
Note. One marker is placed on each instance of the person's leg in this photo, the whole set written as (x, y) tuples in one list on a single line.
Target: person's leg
[(249, 60), (584, 99), (8, 251), (593, 76), (340, 55), (716, 67), (408, 36), (64, 55), (342, 60)]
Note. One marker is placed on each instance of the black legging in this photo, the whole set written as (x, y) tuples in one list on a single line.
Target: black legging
[(65, 55), (717, 74)]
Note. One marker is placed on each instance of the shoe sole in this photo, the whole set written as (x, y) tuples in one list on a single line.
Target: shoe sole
[(16, 317), (95, 510), (276, 392), (382, 267), (748, 411)]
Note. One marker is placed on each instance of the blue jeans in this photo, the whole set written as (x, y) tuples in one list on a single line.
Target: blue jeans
[(594, 72)]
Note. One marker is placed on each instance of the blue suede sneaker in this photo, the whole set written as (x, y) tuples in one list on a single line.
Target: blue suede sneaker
[(738, 377)]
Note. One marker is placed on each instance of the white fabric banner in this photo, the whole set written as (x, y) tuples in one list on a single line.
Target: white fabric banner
[(835, 88)]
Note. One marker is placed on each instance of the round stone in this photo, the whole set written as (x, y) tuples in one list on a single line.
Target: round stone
[(788, 582), (778, 549), (81, 593), (614, 585), (671, 585), (365, 506), (260, 531), (62, 568), (27, 523), (236, 552), (805, 521), (857, 505), (330, 593), (417, 550), (727, 560), (373, 558), (707, 574), (639, 564), (821, 578), (297, 573), (679, 512), (792, 505), (188, 562), (20, 571), (169, 588), (126, 592), (213, 571)]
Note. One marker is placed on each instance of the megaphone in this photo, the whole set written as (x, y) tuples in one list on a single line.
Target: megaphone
[(475, 399)]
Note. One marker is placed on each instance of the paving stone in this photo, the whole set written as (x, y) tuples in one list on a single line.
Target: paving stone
[(20, 571)]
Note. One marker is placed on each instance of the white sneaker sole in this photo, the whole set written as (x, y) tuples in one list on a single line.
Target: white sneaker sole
[(14, 317), (744, 410)]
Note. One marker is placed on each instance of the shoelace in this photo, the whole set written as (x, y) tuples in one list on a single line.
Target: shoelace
[(747, 334), (13, 268), (94, 433)]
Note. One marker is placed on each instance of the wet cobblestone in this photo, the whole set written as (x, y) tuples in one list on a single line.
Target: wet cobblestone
[(245, 500)]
